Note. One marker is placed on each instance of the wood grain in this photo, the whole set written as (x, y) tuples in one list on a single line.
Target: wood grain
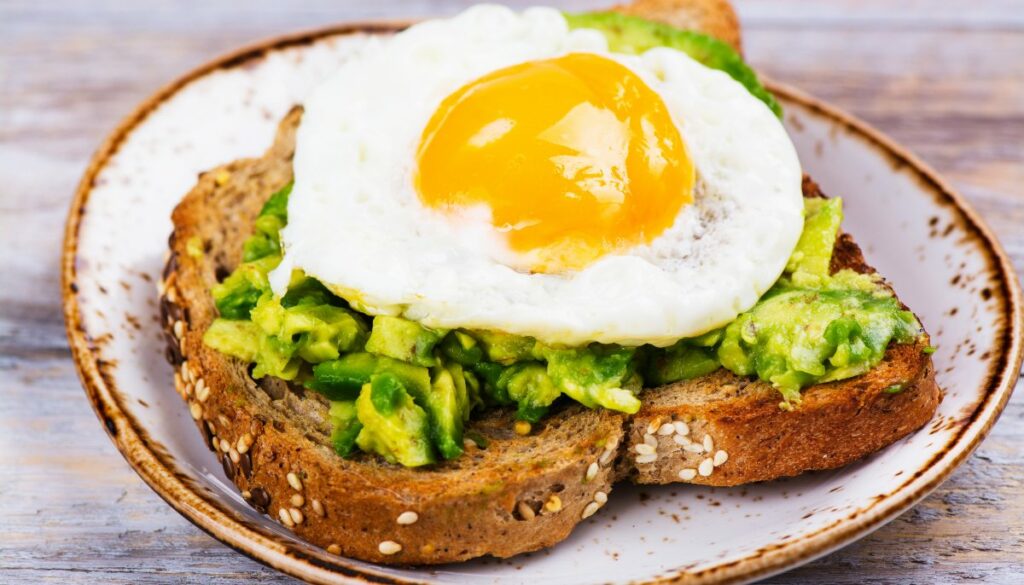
[(943, 77)]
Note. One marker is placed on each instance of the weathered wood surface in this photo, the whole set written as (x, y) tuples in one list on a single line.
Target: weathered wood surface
[(945, 78)]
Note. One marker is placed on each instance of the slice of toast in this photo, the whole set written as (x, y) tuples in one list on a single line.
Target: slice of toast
[(514, 494), (732, 431)]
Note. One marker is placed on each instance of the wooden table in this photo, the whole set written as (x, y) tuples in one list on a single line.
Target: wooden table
[(945, 78)]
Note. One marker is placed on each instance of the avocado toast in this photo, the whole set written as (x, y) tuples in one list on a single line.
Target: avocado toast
[(508, 492)]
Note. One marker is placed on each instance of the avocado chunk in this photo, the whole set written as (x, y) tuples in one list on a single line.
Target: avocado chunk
[(492, 393), (634, 35), (505, 348), (242, 289), (597, 375), (240, 339), (461, 348), (318, 333), (442, 393), (345, 426), (796, 336), (682, 361), (528, 384), (394, 426), (303, 290), (279, 338), (343, 378), (813, 252), (246, 341), (266, 240), (474, 389), (403, 340), (447, 405)]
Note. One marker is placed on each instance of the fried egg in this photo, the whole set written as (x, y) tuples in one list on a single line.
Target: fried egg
[(499, 171)]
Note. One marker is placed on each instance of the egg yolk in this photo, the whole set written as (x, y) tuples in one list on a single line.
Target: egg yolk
[(575, 157)]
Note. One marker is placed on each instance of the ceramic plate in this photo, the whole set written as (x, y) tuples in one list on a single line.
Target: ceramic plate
[(919, 233)]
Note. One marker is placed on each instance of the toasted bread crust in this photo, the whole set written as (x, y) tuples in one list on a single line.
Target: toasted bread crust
[(518, 494), (713, 17), (835, 424)]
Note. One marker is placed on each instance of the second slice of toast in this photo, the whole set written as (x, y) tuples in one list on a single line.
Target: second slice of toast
[(726, 430)]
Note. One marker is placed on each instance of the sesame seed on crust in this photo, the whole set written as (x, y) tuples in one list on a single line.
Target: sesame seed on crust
[(285, 518), (650, 458), (525, 511), (653, 426), (389, 547), (244, 442), (202, 390)]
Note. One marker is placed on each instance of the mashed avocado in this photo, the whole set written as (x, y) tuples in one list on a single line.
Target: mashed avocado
[(811, 327), (797, 335), (405, 391)]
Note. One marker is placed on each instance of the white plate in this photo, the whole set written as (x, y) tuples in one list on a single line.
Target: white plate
[(941, 258)]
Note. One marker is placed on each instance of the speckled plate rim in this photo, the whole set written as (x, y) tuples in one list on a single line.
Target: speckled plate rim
[(152, 464)]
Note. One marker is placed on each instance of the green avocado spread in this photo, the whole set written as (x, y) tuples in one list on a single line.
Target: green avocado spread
[(406, 392)]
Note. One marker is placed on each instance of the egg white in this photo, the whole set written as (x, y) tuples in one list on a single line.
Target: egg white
[(357, 224)]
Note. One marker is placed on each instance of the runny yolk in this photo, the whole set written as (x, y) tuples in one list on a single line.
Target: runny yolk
[(576, 157)]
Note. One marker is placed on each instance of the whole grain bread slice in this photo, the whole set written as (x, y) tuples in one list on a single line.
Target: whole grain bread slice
[(726, 430), (517, 493), (509, 494)]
